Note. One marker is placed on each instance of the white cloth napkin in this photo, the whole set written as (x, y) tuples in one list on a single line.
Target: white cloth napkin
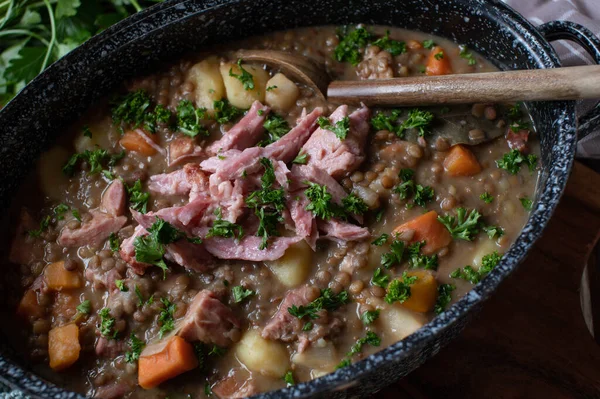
[(584, 12)]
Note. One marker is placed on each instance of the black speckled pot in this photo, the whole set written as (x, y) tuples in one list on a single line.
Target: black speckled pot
[(32, 121)]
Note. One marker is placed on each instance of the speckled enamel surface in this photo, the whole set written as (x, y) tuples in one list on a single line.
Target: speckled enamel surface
[(31, 122)]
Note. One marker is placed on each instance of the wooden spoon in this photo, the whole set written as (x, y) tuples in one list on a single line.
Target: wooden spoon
[(571, 83)]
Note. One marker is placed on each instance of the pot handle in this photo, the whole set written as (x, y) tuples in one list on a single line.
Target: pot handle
[(566, 30)]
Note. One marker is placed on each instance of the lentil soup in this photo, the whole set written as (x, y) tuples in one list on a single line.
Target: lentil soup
[(217, 229)]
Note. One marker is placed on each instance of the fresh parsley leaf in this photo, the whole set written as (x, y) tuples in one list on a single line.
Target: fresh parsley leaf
[(151, 248), (87, 132), (121, 285), (489, 262), (417, 260), (240, 293), (515, 112), (493, 231), (467, 55), (107, 323), (464, 226), (289, 378), (439, 55), (394, 257), (340, 129), (369, 317), (380, 279), (417, 119), (43, 227), (371, 339), (138, 199), (189, 119), (113, 242), (382, 239), (343, 363), (135, 345), (352, 204), (444, 297), (423, 195), (379, 215), (381, 121), (207, 389), (244, 76), (76, 214), (394, 47), (85, 307), (60, 210), (468, 273), (321, 204), (351, 44), (224, 228), (166, 317), (225, 112), (301, 158), (399, 289), (486, 197), (276, 127), (428, 44), (527, 203), (270, 88), (328, 301), (407, 187), (512, 161), (517, 126), (134, 108)]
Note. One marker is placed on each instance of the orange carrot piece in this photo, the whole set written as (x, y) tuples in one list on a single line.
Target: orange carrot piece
[(58, 278), (427, 228), (460, 161), (175, 358), (133, 141), (438, 62), (423, 293), (29, 306), (414, 45), (63, 346)]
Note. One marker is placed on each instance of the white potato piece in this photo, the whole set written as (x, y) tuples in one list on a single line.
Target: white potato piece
[(283, 93), (53, 182), (396, 321), (293, 267), (236, 94), (269, 358), (319, 356), (208, 83), (484, 248)]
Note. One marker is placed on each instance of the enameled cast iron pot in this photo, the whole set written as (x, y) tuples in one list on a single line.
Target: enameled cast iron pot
[(32, 121)]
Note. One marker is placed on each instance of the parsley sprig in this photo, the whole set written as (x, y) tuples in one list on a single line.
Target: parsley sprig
[(370, 339), (466, 225), (189, 119), (399, 289), (444, 297), (135, 349), (470, 274), (244, 76), (513, 160), (340, 128), (166, 317), (327, 301), (394, 47), (408, 188)]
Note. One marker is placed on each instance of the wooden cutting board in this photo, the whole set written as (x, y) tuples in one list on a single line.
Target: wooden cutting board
[(530, 340)]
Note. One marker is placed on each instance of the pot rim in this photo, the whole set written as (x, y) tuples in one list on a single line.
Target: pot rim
[(18, 377)]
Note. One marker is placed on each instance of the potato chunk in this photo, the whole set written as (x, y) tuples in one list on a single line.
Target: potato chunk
[(282, 93), (396, 321), (207, 81), (293, 267), (269, 358), (236, 94), (63, 346), (484, 248), (321, 356)]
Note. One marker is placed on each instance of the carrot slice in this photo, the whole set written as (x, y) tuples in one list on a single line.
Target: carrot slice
[(438, 62), (58, 278), (133, 141), (460, 161), (423, 293), (63, 346), (427, 228), (176, 357)]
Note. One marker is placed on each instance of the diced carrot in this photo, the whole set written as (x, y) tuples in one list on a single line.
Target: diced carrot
[(58, 278), (414, 45), (133, 141), (438, 62), (176, 357), (29, 306), (460, 161), (427, 228), (423, 293), (63, 346)]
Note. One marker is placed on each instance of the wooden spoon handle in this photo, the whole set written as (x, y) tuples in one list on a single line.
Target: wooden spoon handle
[(570, 83)]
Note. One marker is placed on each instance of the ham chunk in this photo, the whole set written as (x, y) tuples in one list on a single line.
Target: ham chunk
[(283, 326), (304, 221), (183, 149), (235, 387), (188, 180), (114, 198), (339, 157), (343, 231), (246, 133), (127, 251), (248, 248), (518, 140), (209, 320)]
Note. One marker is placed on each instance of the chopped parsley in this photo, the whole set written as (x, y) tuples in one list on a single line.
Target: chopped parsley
[(350, 45), (135, 345), (224, 228), (340, 129), (276, 127), (121, 285), (59, 211), (188, 119), (85, 307), (407, 187), (394, 47), (464, 226), (381, 121), (107, 323), (113, 242), (301, 158), (87, 132), (76, 214), (134, 109), (467, 55), (486, 197), (439, 55), (513, 160), (138, 199), (321, 204), (382, 239), (380, 279), (517, 126), (151, 248), (399, 289), (527, 203), (352, 204), (417, 260), (468, 273), (327, 301), (423, 195), (166, 317), (444, 297), (141, 300), (369, 317), (225, 112), (394, 257), (417, 119), (514, 112), (240, 293), (95, 160), (493, 232), (428, 44), (371, 339), (244, 76), (271, 88), (289, 378), (43, 227)]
